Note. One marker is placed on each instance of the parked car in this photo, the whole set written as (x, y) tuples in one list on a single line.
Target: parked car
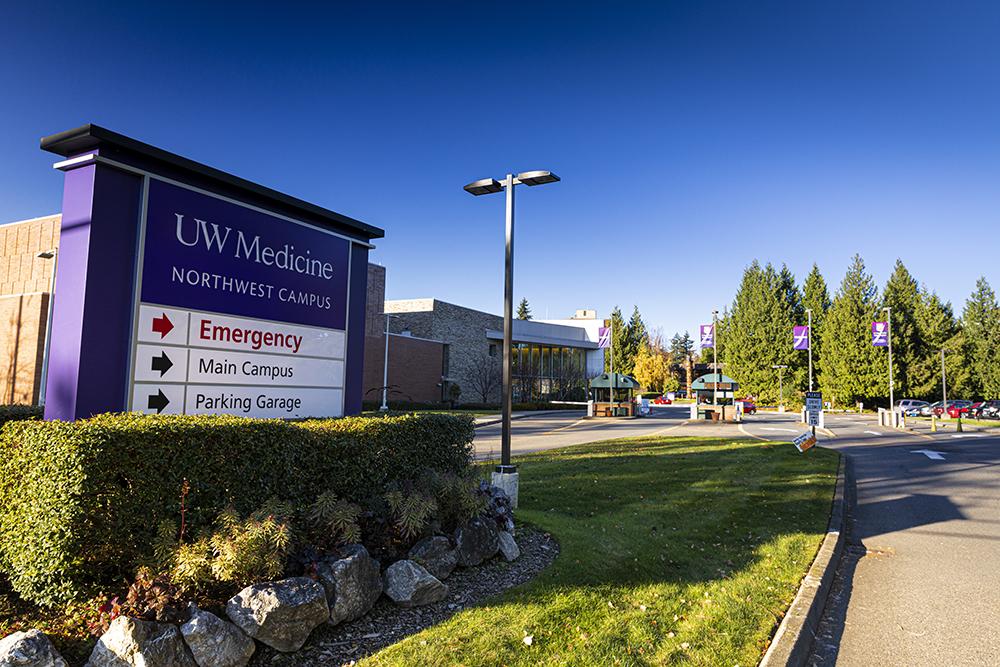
[(910, 407), (749, 407), (662, 400), (929, 410), (991, 409), (956, 409), (976, 409)]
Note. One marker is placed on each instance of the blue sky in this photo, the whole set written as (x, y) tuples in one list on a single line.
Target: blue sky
[(691, 137)]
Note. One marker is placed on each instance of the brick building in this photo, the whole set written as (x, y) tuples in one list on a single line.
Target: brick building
[(25, 280)]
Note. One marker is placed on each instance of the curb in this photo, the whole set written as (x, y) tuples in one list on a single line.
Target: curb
[(792, 642)]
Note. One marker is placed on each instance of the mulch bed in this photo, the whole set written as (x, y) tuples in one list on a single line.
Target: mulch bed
[(387, 623)]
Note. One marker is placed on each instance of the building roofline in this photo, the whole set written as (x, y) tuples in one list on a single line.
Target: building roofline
[(24, 222), (94, 137)]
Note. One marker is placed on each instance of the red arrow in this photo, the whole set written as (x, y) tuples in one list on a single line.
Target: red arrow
[(162, 325)]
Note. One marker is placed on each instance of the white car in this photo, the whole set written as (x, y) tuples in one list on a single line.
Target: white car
[(908, 404)]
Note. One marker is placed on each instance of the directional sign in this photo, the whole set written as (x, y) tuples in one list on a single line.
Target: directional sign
[(804, 442), (238, 311)]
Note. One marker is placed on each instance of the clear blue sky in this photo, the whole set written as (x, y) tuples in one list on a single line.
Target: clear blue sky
[(692, 137)]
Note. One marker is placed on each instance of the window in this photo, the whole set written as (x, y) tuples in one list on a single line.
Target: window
[(493, 349)]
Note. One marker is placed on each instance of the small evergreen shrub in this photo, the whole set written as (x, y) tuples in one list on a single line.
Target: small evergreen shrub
[(14, 412), (82, 503)]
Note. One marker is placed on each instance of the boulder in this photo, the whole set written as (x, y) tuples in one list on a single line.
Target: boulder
[(476, 541), (410, 585), (132, 642), (508, 547), (215, 642), (352, 583), (29, 649), (436, 555), (280, 614)]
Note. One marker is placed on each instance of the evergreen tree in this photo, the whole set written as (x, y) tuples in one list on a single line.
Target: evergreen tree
[(637, 337), (757, 333), (682, 357), (980, 322), (523, 310), (816, 298), (853, 369), (937, 330), (902, 295), (619, 345)]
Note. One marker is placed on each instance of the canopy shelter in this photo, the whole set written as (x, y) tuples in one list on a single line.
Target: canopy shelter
[(706, 388), (611, 394)]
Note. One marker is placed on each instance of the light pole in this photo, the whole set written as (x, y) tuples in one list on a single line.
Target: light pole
[(944, 388), (715, 357), (809, 330), (892, 404), (52, 254), (781, 386), (505, 475), (385, 367)]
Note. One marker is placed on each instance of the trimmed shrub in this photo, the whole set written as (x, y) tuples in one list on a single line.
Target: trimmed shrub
[(15, 412), (81, 502)]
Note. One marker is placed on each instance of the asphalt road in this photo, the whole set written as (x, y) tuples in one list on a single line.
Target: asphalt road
[(920, 580)]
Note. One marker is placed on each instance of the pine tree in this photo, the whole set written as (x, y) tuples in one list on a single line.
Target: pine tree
[(682, 357), (853, 369), (937, 330), (637, 337), (523, 310), (816, 299), (902, 295), (619, 344), (756, 334), (980, 321)]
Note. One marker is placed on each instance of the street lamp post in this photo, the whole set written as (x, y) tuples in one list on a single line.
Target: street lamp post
[(809, 329), (715, 357), (52, 254), (892, 403), (505, 475), (781, 386), (385, 367)]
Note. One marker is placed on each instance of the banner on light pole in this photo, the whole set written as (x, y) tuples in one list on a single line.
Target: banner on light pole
[(604, 337), (880, 334), (800, 338), (707, 335)]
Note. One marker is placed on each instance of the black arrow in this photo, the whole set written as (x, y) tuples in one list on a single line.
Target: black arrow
[(158, 401), (162, 363)]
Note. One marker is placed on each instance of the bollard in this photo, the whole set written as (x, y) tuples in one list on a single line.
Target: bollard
[(958, 424), (933, 424)]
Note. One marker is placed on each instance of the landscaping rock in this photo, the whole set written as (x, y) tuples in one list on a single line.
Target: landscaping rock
[(476, 541), (280, 614), (436, 555), (508, 547), (215, 642), (29, 649), (353, 583), (132, 642), (410, 585)]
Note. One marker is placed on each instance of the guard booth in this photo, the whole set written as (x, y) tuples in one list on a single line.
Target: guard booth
[(611, 396), (705, 389)]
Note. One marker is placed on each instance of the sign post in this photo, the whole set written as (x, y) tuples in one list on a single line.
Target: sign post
[(186, 290)]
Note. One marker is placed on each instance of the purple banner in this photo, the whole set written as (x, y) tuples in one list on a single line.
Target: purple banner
[(707, 335), (880, 334), (604, 337), (800, 338), (206, 253)]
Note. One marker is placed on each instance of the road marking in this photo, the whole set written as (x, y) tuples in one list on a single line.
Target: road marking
[(929, 453), (568, 426), (967, 435), (672, 428), (783, 430), (746, 432), (873, 433)]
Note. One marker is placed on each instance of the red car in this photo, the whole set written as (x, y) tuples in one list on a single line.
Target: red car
[(749, 407), (957, 409), (662, 400)]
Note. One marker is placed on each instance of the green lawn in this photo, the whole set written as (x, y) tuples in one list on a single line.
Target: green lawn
[(674, 551)]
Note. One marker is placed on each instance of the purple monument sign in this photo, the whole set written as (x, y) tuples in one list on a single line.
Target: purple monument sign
[(184, 289)]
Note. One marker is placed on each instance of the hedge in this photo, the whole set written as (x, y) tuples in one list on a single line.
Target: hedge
[(16, 412), (80, 502)]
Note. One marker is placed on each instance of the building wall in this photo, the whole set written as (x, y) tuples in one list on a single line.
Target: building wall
[(414, 369), (24, 302)]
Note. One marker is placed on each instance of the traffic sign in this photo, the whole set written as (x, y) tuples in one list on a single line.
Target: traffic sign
[(814, 401)]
